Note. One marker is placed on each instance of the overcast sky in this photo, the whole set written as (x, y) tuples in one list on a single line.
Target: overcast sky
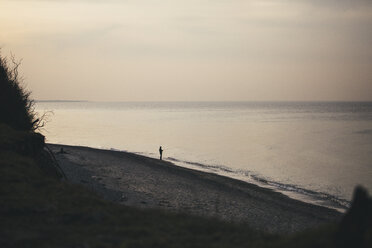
[(192, 50)]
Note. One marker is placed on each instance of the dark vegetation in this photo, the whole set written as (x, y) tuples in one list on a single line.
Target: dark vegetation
[(16, 107), (38, 209)]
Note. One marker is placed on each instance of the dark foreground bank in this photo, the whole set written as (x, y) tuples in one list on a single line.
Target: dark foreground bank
[(139, 181), (38, 209)]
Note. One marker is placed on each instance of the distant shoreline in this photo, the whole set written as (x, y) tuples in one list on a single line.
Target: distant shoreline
[(60, 101), (144, 182)]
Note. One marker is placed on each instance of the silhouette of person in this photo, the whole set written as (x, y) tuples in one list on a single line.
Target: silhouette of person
[(161, 152)]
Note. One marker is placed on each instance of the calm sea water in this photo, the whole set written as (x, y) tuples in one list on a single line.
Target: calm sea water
[(315, 152)]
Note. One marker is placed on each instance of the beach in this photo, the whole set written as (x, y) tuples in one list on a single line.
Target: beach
[(139, 181), (315, 152)]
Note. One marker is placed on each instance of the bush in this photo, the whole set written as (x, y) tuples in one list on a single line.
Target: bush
[(16, 107)]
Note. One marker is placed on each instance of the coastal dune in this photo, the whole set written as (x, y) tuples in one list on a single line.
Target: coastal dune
[(139, 181)]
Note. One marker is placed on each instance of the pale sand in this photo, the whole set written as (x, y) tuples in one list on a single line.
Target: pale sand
[(139, 181)]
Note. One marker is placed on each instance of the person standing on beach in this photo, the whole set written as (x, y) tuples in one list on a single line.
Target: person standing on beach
[(161, 152)]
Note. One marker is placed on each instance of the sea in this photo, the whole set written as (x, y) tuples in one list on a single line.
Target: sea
[(316, 152)]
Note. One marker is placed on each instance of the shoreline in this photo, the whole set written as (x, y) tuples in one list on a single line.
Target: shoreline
[(138, 181), (308, 196)]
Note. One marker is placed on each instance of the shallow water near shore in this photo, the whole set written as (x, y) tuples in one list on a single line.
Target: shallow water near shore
[(315, 152)]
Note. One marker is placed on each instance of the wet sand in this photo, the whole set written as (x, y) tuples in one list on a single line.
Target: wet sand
[(139, 181)]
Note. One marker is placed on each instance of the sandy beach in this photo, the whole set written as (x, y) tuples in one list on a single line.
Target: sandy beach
[(139, 181)]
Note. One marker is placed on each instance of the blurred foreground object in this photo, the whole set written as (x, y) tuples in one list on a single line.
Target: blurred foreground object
[(356, 226)]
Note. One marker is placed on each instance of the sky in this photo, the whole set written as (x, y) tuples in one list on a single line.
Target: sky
[(191, 50)]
